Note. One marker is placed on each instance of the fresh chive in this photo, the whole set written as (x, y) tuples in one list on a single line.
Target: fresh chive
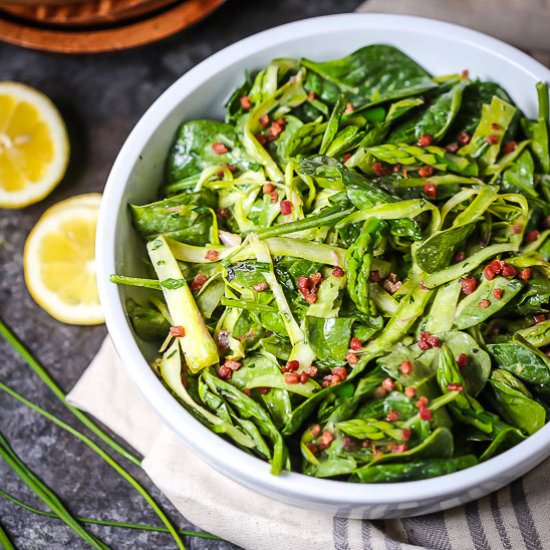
[(43, 374), (107, 523), (251, 306), (135, 281), (319, 220), (544, 107), (97, 449), (5, 541), (46, 494)]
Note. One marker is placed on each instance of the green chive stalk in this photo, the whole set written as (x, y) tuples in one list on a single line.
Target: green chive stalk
[(5, 541), (105, 523), (98, 450), (136, 281), (18, 346), (46, 494)]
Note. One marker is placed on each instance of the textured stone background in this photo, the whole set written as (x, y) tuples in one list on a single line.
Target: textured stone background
[(101, 98)]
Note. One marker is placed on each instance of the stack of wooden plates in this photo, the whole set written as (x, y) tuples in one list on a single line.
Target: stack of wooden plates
[(91, 26)]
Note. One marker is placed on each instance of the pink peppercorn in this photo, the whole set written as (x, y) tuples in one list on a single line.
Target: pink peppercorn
[(355, 344), (525, 274), (509, 270), (424, 140), (498, 293), (260, 287), (406, 367), (219, 148), (468, 285), (292, 377), (225, 373), (388, 384), (326, 439), (425, 414), (286, 207), (177, 331), (392, 416)]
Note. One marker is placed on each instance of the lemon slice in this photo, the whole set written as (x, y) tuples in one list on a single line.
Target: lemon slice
[(86, 199), (34, 148), (59, 261)]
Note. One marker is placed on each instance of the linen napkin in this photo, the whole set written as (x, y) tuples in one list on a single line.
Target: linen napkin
[(515, 517)]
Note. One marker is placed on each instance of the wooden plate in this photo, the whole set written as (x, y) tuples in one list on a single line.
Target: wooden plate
[(88, 12), (126, 34)]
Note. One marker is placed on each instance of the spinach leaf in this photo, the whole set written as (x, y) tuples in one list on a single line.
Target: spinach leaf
[(278, 404), (476, 94), (248, 408), (171, 372), (422, 469), (179, 217), (233, 107), (263, 371), (505, 439), (192, 150), (345, 140), (520, 177), (148, 322), (465, 407), (330, 173), (424, 365), (332, 126), (374, 74), (246, 274), (329, 338), (443, 309), (535, 299), (277, 345), (522, 360), (439, 444), (434, 121), (210, 295), (437, 250), (478, 369), (323, 88), (470, 311), (538, 335), (513, 402)]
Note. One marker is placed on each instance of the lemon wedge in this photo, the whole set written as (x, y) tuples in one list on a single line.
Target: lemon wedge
[(34, 147), (59, 261)]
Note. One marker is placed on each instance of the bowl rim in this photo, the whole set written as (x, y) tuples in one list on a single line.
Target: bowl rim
[(236, 464)]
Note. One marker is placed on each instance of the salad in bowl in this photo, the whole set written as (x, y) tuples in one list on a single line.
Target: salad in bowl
[(350, 274)]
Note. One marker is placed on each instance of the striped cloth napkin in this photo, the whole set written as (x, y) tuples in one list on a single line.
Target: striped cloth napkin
[(514, 518)]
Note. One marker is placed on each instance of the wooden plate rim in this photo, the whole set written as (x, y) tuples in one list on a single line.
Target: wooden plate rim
[(88, 12), (130, 35)]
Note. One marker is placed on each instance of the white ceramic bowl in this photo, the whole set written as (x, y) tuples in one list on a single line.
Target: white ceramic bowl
[(441, 48)]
